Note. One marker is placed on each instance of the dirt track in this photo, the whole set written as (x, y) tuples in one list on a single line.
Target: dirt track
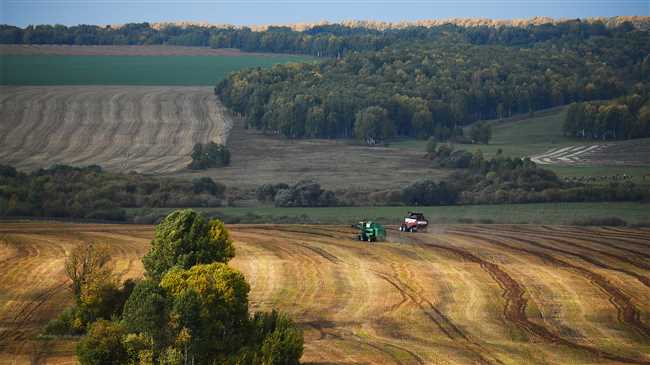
[(146, 129), (462, 294), (621, 153)]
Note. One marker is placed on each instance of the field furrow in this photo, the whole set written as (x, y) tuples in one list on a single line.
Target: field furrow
[(121, 128), (457, 295)]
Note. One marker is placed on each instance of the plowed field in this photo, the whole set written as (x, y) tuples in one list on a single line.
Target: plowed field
[(463, 294)]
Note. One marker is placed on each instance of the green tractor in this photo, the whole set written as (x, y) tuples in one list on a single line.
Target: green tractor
[(370, 231)]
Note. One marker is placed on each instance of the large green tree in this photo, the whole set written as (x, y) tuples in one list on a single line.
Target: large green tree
[(372, 125), (185, 238), (210, 302)]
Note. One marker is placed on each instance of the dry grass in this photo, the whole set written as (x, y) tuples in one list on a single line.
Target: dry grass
[(146, 129), (336, 164), (464, 294)]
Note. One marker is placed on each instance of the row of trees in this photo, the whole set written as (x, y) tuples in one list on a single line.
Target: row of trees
[(191, 307), (91, 193), (305, 193), (433, 88), (622, 118), (503, 180), (332, 40)]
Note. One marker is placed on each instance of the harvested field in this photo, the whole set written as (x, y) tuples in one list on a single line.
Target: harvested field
[(460, 294), (336, 164), (123, 128), (140, 50), (626, 153)]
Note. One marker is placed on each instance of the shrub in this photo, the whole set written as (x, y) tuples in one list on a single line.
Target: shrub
[(305, 193), (209, 155), (103, 345), (207, 185)]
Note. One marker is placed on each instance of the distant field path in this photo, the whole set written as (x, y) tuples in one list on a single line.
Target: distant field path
[(634, 152), (122, 128), (459, 294)]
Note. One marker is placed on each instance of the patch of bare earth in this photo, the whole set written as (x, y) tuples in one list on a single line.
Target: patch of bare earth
[(140, 50), (463, 294), (121, 128)]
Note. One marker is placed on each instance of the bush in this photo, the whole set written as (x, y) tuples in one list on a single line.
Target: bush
[(305, 193), (432, 144), (103, 345), (428, 192), (283, 345), (209, 155), (68, 323), (267, 192), (207, 185)]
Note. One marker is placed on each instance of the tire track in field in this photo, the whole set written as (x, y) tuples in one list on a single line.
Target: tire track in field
[(617, 243), (638, 240), (628, 313), (642, 279), (431, 311), (341, 334), (516, 303), (636, 258)]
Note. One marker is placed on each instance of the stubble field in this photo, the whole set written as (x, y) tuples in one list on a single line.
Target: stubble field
[(124, 128), (459, 294)]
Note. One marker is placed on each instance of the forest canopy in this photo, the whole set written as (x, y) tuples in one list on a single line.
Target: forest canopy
[(423, 89)]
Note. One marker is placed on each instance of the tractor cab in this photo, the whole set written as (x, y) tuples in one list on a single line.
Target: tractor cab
[(414, 222)]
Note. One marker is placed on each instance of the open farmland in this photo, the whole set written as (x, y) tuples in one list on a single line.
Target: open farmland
[(146, 129), (182, 70), (258, 158), (460, 294)]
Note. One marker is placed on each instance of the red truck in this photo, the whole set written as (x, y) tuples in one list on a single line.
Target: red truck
[(414, 222)]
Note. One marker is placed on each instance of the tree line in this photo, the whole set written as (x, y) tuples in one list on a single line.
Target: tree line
[(423, 89), (190, 307), (622, 118), (501, 180), (332, 40), (92, 193)]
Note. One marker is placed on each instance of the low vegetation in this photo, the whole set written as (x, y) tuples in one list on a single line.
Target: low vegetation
[(305, 193), (502, 180), (207, 155), (92, 193), (191, 307)]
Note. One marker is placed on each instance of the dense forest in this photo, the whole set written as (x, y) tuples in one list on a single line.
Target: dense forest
[(422, 89), (622, 118), (332, 40)]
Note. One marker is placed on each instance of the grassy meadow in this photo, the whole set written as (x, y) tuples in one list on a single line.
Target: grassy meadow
[(128, 70), (542, 213)]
